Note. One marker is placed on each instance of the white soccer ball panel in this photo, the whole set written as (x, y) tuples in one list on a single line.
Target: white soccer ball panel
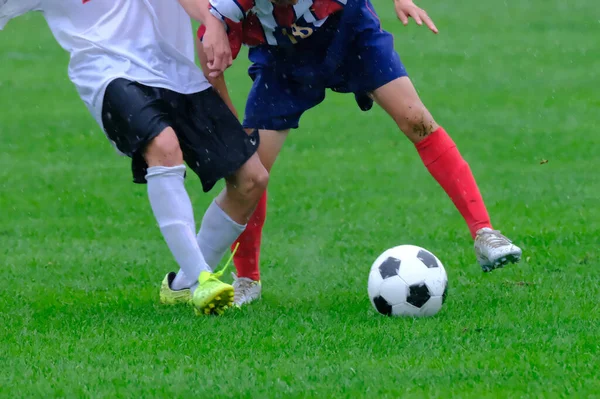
[(436, 280), (415, 276), (433, 305), (403, 251), (393, 289), (374, 283), (405, 309)]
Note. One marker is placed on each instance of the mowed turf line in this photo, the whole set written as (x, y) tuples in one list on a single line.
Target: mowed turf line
[(82, 259)]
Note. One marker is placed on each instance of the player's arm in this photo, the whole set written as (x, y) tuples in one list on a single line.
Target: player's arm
[(217, 82), (407, 9), (213, 14), (235, 37), (216, 44)]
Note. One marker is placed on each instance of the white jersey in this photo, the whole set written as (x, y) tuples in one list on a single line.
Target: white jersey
[(148, 41)]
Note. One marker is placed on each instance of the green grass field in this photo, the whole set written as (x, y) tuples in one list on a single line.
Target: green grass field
[(515, 83)]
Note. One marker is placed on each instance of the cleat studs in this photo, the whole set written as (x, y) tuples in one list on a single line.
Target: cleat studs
[(211, 305), (218, 298)]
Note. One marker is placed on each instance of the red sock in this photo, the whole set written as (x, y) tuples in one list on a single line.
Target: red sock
[(452, 172), (247, 256)]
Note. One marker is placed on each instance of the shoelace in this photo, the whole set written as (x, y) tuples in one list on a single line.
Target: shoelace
[(218, 274), (494, 238)]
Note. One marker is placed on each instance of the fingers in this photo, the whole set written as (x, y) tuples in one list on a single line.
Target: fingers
[(219, 66), (402, 16), (218, 50), (415, 14), (221, 61), (218, 62), (428, 22), (419, 15), (210, 54)]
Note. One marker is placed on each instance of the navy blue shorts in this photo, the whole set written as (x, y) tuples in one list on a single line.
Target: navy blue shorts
[(289, 81)]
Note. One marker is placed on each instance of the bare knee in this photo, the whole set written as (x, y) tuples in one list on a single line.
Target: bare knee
[(401, 101), (261, 177), (164, 150), (415, 121), (250, 181)]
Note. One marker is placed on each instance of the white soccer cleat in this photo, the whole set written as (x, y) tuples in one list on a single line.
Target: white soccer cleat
[(245, 290), (493, 250)]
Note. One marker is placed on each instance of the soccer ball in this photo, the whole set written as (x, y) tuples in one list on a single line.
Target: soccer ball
[(407, 281)]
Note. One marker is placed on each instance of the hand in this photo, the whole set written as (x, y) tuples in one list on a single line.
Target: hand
[(407, 9), (217, 48)]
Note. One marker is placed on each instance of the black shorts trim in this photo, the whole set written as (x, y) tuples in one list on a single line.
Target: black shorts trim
[(212, 140)]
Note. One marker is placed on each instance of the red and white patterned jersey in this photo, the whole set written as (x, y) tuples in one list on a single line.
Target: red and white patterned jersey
[(255, 22)]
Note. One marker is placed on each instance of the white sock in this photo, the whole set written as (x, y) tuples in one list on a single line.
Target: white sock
[(173, 211), (217, 232)]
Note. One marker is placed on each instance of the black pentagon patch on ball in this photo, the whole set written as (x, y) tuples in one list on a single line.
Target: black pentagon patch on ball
[(382, 305), (389, 268), (418, 295), (428, 259)]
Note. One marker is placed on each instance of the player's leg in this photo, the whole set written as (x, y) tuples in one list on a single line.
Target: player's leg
[(215, 146), (437, 150), (445, 163), (247, 257), (227, 216), (247, 283), (274, 106), (135, 121), (174, 214), (243, 190), (391, 88)]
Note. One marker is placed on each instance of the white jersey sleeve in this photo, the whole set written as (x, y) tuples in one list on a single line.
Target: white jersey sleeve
[(234, 10), (10, 9)]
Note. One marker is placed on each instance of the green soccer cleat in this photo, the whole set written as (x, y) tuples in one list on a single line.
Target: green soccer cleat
[(169, 296), (212, 296)]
